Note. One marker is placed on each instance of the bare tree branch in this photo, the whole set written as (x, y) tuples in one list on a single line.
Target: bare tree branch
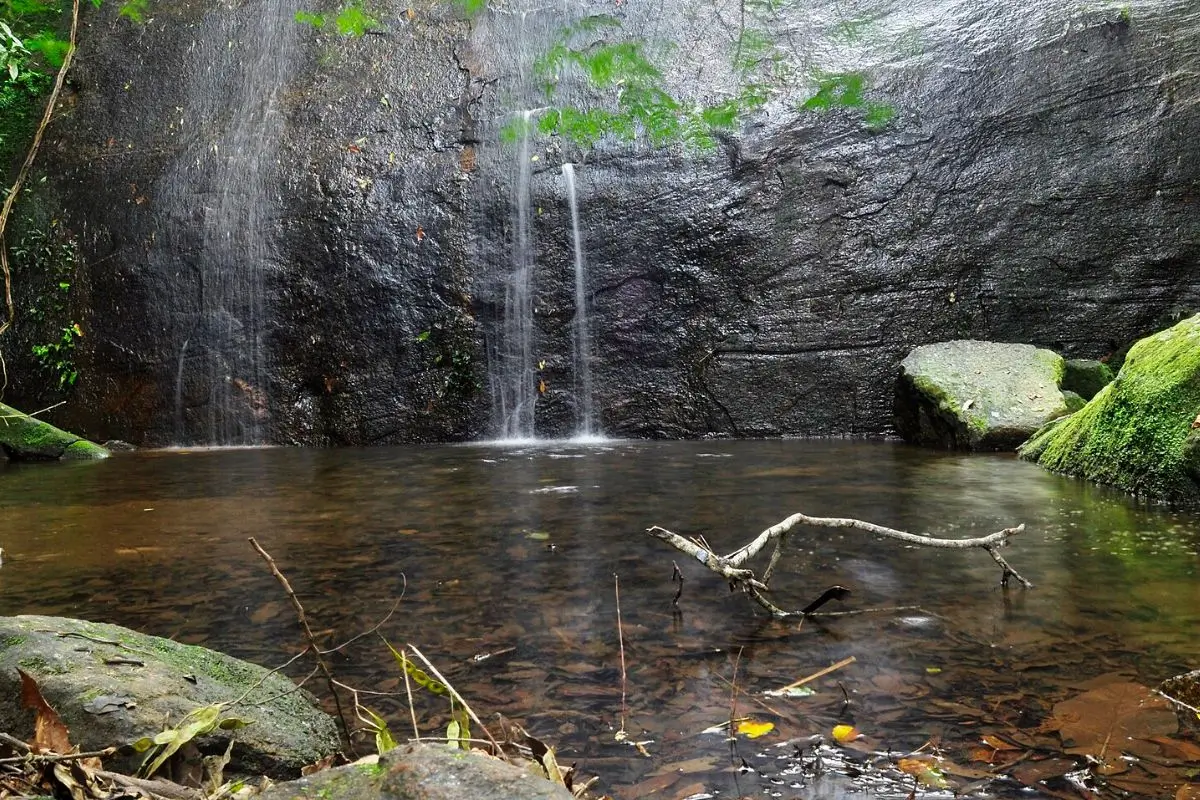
[(731, 566)]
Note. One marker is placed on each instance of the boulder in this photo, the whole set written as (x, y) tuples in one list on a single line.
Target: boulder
[(113, 686), (23, 438), (422, 771), (972, 395), (1141, 433), (1086, 377)]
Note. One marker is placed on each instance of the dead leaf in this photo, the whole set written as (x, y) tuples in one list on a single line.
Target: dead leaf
[(420, 234), (49, 732), (1031, 773), (325, 763), (1177, 748), (1188, 791), (925, 771), (1113, 718)]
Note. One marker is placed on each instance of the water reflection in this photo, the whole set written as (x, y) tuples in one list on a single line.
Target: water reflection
[(517, 547)]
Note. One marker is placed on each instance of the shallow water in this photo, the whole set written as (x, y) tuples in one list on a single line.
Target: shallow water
[(513, 551)]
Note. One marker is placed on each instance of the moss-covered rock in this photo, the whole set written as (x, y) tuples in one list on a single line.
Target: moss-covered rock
[(113, 686), (972, 395), (1138, 433), (1086, 377), (23, 438)]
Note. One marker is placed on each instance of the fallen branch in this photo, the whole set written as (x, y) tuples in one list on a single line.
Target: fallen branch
[(308, 635), (731, 566)]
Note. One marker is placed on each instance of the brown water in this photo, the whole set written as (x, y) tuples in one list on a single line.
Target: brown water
[(505, 547)]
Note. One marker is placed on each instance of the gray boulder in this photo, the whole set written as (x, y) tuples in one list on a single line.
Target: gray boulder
[(113, 686), (423, 772), (971, 395), (23, 438)]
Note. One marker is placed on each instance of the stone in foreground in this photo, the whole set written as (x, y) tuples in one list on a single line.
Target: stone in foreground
[(23, 438), (972, 395), (1141, 433), (422, 771), (113, 686)]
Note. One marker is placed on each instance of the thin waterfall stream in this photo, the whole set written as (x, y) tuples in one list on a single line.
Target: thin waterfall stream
[(513, 375), (582, 355)]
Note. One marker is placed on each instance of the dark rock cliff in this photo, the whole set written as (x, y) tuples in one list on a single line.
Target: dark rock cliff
[(1037, 184)]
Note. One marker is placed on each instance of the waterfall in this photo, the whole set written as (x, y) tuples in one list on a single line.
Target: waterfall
[(220, 196), (514, 379), (581, 350)]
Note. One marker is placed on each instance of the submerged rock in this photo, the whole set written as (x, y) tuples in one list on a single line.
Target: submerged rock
[(973, 395), (422, 772), (1141, 433), (23, 438), (113, 686)]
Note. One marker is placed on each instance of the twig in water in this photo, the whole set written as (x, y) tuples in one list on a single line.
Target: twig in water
[(818, 674), (733, 693), (374, 628), (620, 735), (676, 576), (312, 642)]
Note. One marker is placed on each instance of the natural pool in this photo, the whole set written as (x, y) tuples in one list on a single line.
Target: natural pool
[(512, 551)]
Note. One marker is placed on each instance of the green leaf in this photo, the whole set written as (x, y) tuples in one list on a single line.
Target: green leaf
[(233, 723), (197, 723), (419, 677), (422, 336), (384, 740)]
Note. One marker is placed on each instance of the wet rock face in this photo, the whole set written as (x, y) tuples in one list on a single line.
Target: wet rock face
[(1035, 186)]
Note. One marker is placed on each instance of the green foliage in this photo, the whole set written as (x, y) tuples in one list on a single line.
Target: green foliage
[(471, 7), (846, 90), (351, 20), (309, 18), (354, 21), (134, 10), (57, 356), (27, 52), (198, 722)]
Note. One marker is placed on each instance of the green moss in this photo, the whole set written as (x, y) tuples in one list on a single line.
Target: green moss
[(1134, 434), (24, 437), (373, 770), (12, 641)]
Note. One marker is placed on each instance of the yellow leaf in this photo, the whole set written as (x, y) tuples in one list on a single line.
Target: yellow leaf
[(752, 729), (845, 733)]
